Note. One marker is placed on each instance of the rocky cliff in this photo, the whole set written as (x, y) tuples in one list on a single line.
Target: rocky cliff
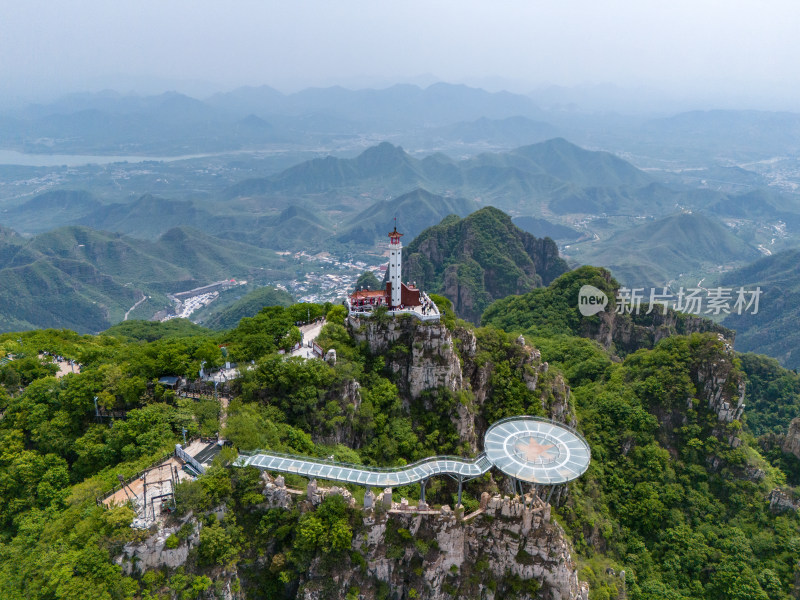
[(629, 332), (428, 356), (509, 545), (420, 354), (791, 444)]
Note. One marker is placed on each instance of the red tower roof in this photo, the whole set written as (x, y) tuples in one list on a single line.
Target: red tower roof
[(394, 236)]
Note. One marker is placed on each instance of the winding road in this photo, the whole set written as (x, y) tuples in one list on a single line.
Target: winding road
[(132, 308)]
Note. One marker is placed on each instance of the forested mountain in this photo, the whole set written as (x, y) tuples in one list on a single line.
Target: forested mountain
[(554, 310), (525, 178), (226, 315), (678, 497), (414, 212), (150, 331), (83, 279), (774, 329), (51, 209), (478, 259)]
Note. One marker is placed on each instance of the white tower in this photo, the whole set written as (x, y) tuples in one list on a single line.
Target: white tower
[(395, 265)]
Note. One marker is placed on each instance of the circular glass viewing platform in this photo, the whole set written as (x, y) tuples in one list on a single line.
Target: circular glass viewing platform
[(536, 450)]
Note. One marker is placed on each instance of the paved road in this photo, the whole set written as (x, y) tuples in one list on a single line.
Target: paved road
[(132, 308), (310, 333)]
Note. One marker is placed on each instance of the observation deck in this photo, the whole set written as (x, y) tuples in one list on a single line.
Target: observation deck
[(528, 449)]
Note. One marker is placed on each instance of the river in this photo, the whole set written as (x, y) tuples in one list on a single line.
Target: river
[(12, 157)]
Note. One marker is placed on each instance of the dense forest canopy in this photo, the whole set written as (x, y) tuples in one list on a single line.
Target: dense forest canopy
[(668, 498)]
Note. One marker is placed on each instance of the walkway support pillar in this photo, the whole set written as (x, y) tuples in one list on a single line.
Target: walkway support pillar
[(460, 486)]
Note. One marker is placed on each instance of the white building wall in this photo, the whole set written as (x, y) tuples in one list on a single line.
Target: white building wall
[(395, 262)]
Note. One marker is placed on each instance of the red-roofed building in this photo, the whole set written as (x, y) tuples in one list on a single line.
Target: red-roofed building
[(398, 296)]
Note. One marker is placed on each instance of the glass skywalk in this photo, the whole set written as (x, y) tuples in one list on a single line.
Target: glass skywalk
[(528, 449)]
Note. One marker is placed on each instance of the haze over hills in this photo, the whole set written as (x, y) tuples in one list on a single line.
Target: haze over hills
[(527, 178), (173, 123), (774, 329), (425, 118), (544, 228), (654, 253), (510, 132), (414, 211)]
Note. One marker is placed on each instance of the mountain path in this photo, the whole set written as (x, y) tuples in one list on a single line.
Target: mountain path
[(132, 308)]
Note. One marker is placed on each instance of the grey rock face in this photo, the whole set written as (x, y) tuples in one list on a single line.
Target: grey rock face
[(514, 537), (153, 554), (791, 444)]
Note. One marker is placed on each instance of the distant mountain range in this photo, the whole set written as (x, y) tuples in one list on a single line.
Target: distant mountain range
[(331, 196), (442, 116), (85, 280), (414, 212), (478, 259), (348, 203), (651, 254), (173, 123), (550, 173), (437, 104), (775, 329)]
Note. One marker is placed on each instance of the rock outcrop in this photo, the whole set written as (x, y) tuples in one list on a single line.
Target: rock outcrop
[(153, 552), (423, 357), (781, 501), (553, 390), (628, 333), (791, 443), (441, 555), (722, 387), (421, 354)]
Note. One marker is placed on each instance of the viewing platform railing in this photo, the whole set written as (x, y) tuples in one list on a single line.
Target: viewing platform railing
[(454, 466)]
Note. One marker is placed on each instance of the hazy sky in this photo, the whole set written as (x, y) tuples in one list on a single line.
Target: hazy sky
[(694, 48)]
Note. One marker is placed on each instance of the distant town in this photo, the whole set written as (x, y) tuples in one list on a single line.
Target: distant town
[(334, 279)]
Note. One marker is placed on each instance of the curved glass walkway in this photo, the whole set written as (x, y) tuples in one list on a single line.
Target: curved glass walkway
[(529, 449)]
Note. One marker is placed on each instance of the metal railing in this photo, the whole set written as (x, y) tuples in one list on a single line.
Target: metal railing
[(187, 458), (474, 467), (572, 430), (99, 500)]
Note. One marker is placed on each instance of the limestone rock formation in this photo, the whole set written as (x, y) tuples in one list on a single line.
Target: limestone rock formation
[(152, 553), (422, 354), (781, 501), (791, 444), (442, 556)]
